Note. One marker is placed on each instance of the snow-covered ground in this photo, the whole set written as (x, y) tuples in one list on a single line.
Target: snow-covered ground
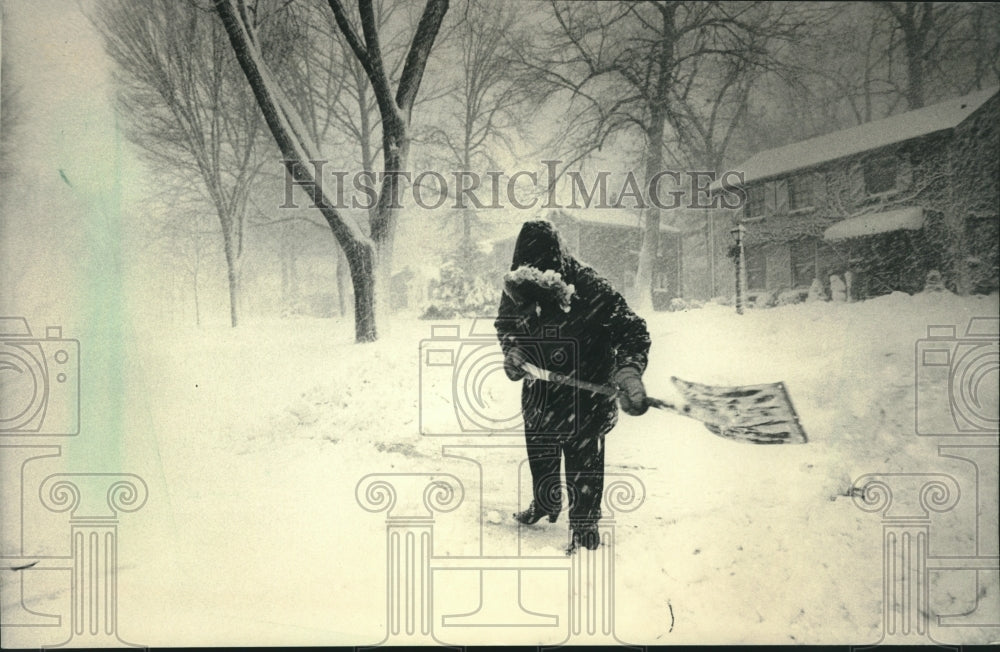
[(253, 441)]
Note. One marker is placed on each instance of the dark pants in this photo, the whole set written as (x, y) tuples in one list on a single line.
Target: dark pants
[(568, 426)]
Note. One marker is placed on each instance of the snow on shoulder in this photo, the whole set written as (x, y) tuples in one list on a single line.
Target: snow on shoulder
[(524, 282)]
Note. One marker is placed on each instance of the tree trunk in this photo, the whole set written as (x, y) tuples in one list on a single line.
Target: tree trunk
[(915, 75), (361, 261), (468, 254), (369, 257), (194, 286), (343, 274), (651, 231), (383, 284), (915, 25), (293, 143), (197, 303), (395, 152), (654, 161), (233, 278), (382, 275)]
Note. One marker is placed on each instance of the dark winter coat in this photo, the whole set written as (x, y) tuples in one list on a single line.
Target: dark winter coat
[(597, 336)]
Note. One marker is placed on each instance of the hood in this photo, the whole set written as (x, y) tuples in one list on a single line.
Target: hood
[(538, 246)]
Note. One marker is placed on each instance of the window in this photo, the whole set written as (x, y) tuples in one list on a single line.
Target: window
[(756, 269), (776, 197), (769, 198), (800, 192), (755, 202), (660, 282), (803, 255), (880, 175), (984, 253)]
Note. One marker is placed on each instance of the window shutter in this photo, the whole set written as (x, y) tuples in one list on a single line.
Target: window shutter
[(819, 190), (781, 197), (904, 173), (856, 183), (769, 198), (810, 183), (755, 202)]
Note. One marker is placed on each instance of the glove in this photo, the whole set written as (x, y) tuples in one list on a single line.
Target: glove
[(512, 363), (631, 392)]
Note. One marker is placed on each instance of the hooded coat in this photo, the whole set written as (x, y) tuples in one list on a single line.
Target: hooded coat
[(590, 341)]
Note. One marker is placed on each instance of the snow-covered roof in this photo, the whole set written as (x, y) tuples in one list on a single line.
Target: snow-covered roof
[(872, 223), (613, 217), (868, 136)]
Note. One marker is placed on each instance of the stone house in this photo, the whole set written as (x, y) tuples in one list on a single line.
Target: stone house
[(888, 201)]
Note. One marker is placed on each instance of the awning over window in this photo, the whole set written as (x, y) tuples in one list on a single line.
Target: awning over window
[(855, 227)]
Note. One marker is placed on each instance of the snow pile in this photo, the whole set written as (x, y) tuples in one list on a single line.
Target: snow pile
[(911, 218), (253, 443)]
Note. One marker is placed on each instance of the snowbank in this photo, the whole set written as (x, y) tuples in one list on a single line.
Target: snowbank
[(253, 443), (911, 218)]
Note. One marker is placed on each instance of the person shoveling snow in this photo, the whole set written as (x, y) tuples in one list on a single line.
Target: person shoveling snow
[(582, 351), (558, 315)]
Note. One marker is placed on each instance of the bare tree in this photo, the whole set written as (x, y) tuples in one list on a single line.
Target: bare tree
[(842, 72), (643, 67), (709, 100), (317, 81), (187, 110), (349, 118), (967, 54), (923, 29), (984, 22), (186, 241), (481, 110), (369, 254), (292, 235), (855, 62)]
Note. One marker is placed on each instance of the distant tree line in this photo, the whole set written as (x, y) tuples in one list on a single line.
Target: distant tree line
[(214, 92)]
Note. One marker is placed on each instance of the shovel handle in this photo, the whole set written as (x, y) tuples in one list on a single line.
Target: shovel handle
[(607, 390), (663, 405)]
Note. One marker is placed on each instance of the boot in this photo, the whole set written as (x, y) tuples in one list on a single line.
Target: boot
[(585, 536), (533, 514)]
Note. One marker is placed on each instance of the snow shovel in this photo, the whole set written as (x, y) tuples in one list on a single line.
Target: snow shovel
[(755, 414)]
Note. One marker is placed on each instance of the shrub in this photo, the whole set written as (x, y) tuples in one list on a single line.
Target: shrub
[(459, 294)]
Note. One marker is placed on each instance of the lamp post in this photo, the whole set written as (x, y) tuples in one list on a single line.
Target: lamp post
[(741, 266)]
